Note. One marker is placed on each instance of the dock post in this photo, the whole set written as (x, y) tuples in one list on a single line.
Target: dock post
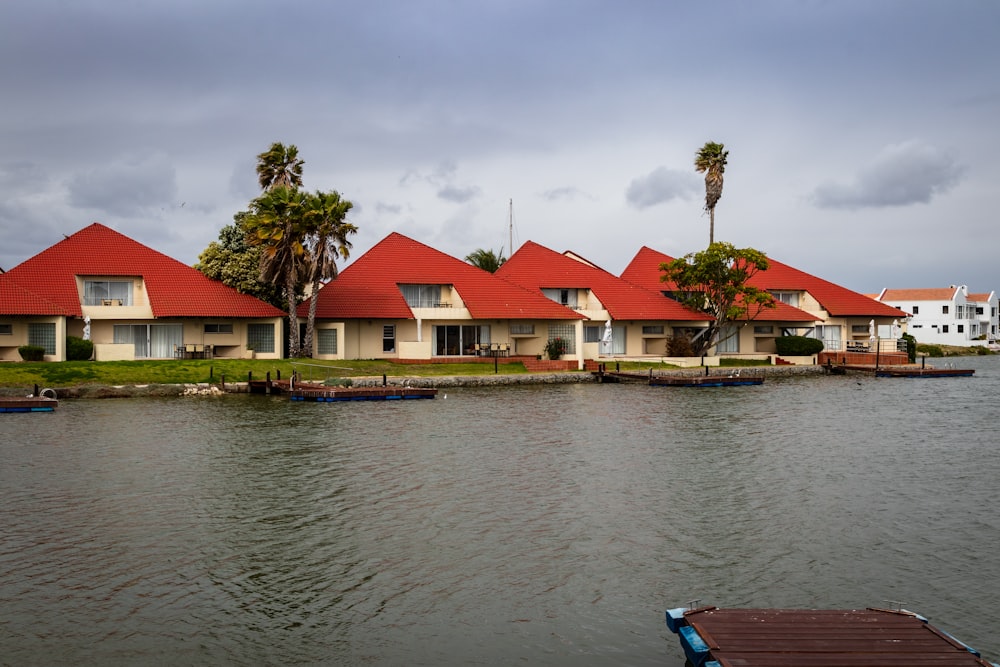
[(249, 377), (618, 367), (383, 379), (267, 384), (211, 374), (279, 374), (223, 380), (36, 391)]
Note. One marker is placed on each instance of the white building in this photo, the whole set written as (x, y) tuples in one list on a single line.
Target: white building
[(947, 315)]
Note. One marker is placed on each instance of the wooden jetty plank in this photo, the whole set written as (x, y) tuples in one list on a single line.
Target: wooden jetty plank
[(924, 372), (331, 394), (815, 638), (27, 404)]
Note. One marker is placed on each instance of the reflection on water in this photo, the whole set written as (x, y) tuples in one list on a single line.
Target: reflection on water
[(549, 525)]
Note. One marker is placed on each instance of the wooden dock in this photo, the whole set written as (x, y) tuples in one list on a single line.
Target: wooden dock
[(734, 379), (27, 404), (924, 372), (713, 637), (333, 394), (321, 393), (706, 380)]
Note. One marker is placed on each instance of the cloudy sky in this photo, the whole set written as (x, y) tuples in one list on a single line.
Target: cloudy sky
[(856, 129)]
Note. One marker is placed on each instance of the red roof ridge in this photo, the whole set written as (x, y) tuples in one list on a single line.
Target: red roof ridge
[(173, 288)]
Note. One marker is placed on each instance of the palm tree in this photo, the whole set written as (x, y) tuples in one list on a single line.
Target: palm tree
[(279, 166), (276, 225), (711, 159), (325, 219), (487, 260)]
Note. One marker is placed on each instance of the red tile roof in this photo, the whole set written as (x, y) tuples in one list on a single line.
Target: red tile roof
[(536, 267), (836, 300), (369, 287), (173, 288), (16, 300), (644, 270)]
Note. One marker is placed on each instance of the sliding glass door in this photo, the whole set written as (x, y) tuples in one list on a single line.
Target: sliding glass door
[(151, 341), (459, 340)]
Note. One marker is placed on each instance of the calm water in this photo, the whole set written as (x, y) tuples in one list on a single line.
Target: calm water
[(535, 525)]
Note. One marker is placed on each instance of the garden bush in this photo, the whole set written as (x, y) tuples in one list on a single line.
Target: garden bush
[(78, 349), (555, 348), (911, 347), (679, 346), (31, 352), (930, 350), (798, 346)]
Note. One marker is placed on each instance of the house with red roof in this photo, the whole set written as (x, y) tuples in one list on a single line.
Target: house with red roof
[(946, 315), (405, 300), (641, 320), (806, 306), (753, 336), (131, 301)]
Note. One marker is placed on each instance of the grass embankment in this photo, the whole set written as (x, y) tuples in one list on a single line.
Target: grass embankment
[(195, 371)]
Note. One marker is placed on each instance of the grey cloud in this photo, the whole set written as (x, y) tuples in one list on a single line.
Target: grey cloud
[(901, 174), (22, 176), (388, 209), (457, 194), (567, 192), (126, 188), (660, 186)]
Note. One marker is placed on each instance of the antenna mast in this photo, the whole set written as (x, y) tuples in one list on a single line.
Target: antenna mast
[(510, 248)]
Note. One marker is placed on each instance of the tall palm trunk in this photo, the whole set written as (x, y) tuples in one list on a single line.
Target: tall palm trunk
[(293, 317), (307, 344)]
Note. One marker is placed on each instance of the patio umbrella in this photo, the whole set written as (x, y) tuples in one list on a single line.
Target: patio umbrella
[(607, 339)]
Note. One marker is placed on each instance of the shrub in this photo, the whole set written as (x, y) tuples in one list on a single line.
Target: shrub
[(930, 350), (679, 346), (911, 347), (555, 348), (798, 346), (31, 352), (78, 349)]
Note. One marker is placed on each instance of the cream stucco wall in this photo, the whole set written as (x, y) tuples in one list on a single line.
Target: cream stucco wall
[(19, 336)]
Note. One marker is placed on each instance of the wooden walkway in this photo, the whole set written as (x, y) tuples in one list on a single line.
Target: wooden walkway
[(713, 637), (334, 394), (659, 380), (27, 404), (306, 391)]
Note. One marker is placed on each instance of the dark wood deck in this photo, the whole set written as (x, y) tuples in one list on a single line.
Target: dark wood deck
[(333, 394), (924, 372), (321, 393), (27, 404), (709, 380), (713, 637)]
